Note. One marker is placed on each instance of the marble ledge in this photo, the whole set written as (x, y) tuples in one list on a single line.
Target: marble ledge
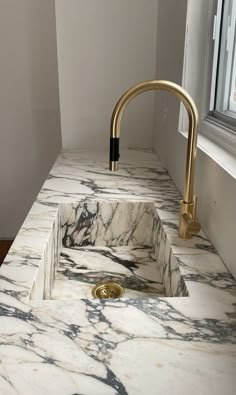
[(128, 346)]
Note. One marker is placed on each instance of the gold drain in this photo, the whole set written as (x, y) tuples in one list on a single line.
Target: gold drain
[(108, 290)]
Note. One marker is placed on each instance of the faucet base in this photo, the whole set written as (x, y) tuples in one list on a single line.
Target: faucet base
[(114, 165), (188, 226)]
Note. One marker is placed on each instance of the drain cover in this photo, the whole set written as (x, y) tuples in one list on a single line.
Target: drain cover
[(108, 290)]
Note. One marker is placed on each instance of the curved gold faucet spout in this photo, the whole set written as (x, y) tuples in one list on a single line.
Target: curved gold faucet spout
[(188, 205)]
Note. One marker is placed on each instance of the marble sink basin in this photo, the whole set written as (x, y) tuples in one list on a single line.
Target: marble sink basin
[(108, 241)]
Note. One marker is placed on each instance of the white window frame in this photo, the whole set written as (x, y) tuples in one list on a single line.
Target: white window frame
[(222, 99), (197, 79)]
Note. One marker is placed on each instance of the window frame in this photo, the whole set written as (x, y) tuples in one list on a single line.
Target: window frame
[(198, 67), (223, 75)]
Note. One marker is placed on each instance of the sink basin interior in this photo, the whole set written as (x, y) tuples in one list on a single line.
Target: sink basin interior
[(107, 241), (133, 267)]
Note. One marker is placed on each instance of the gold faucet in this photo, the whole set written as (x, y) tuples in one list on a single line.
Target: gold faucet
[(188, 226)]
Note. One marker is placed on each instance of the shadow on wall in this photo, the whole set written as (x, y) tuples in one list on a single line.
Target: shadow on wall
[(4, 248)]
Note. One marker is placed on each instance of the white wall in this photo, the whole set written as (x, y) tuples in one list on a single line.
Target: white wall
[(104, 47), (215, 188), (29, 106)]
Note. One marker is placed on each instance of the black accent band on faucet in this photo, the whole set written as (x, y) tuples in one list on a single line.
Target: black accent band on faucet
[(114, 149)]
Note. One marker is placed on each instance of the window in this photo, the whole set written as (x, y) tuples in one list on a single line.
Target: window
[(223, 93), (209, 75)]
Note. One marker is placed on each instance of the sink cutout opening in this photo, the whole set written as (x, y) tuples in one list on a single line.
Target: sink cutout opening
[(107, 242), (120, 242)]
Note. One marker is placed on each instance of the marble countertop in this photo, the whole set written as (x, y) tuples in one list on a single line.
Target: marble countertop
[(168, 345)]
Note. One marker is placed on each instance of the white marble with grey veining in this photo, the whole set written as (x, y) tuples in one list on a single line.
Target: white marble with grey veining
[(81, 268), (176, 344)]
